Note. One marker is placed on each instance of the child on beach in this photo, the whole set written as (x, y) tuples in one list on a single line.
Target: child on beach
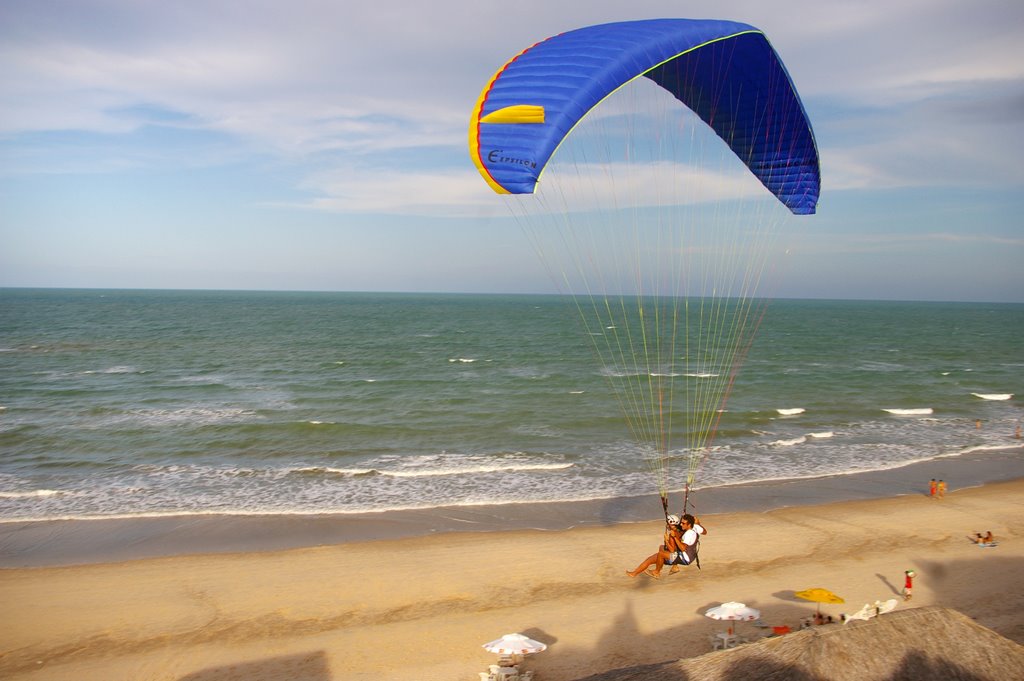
[(908, 584)]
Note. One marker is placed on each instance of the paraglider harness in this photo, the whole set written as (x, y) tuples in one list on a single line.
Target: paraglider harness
[(690, 555)]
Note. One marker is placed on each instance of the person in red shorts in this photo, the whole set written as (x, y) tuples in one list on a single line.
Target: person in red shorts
[(908, 584)]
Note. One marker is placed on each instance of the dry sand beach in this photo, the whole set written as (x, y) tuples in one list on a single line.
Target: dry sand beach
[(420, 608)]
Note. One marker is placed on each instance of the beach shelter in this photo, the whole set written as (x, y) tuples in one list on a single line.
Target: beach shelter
[(819, 596)]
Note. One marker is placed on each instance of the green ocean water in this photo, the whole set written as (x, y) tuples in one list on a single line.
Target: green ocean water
[(134, 403)]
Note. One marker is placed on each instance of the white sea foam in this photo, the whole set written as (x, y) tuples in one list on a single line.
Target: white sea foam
[(463, 360), (910, 412), (789, 443), (114, 370), (436, 472), (348, 472), (982, 448), (620, 373), (37, 493), (824, 435), (472, 470), (577, 392), (191, 414), (202, 380), (791, 412), (994, 396), (121, 370)]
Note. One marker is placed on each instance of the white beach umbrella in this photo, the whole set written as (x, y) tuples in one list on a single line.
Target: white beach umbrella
[(514, 644), (733, 611)]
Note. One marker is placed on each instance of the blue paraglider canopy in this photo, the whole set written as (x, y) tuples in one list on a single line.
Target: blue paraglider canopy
[(726, 72)]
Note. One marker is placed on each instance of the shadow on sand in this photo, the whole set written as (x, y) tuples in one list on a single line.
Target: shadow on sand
[(308, 667)]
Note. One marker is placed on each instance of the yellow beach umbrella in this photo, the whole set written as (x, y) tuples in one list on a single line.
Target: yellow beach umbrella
[(819, 596)]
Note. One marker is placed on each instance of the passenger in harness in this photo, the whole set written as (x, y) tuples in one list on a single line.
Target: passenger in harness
[(689, 543), (680, 547)]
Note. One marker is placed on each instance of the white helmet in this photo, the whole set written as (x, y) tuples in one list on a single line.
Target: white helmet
[(672, 520)]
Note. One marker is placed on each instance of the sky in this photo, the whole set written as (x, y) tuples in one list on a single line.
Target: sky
[(321, 145)]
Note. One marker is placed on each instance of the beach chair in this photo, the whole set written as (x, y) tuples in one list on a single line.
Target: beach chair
[(487, 676), (716, 642)]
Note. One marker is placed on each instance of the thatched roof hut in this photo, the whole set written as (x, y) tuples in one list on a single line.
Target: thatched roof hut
[(920, 644)]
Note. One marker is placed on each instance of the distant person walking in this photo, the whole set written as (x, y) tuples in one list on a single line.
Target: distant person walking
[(932, 487), (908, 584), (941, 489)]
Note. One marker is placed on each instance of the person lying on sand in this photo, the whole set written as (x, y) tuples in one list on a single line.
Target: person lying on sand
[(682, 536)]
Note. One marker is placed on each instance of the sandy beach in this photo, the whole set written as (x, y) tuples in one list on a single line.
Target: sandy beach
[(420, 607)]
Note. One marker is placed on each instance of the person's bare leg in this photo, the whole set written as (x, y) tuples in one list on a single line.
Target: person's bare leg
[(659, 563), (642, 567)]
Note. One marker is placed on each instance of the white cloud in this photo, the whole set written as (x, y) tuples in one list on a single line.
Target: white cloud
[(316, 77), (812, 243), (442, 193)]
